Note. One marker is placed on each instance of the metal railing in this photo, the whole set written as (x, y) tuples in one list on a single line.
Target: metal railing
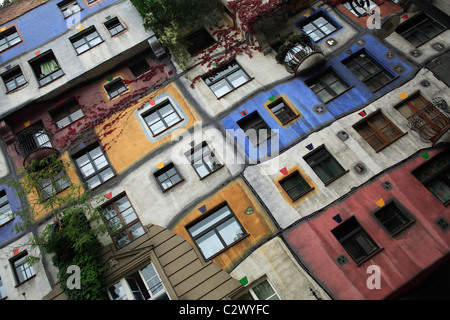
[(32, 138)]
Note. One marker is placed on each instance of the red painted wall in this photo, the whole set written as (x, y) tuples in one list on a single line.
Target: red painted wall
[(402, 257)]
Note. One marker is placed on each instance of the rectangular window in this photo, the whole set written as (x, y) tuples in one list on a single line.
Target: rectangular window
[(255, 128), (13, 79), (144, 284), (5, 209), (282, 111), (122, 221), (370, 72), (161, 118), (203, 160), (139, 68), (318, 27), (52, 185), (260, 291), (115, 88), (9, 38), (2, 290), (419, 29), (94, 167), (198, 40), (32, 138), (435, 176), (22, 269), (114, 26), (378, 131), (68, 113), (86, 40), (392, 218), (69, 7), (167, 177), (226, 79), (355, 240), (359, 11), (327, 86), (46, 68), (295, 186), (218, 231), (324, 165)]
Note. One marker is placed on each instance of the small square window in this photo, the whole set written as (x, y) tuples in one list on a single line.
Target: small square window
[(168, 177), (86, 40), (255, 128), (68, 113), (203, 160), (226, 78), (14, 79), (216, 232), (327, 86), (139, 68), (355, 240), (161, 118), (114, 26), (9, 38), (115, 88), (392, 218), (318, 26), (282, 111), (378, 131), (419, 29), (324, 165), (295, 186), (93, 166), (46, 68), (5, 209), (262, 290), (198, 40), (69, 7), (23, 270)]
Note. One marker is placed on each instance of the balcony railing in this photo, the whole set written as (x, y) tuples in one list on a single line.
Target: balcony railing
[(431, 121), (33, 143)]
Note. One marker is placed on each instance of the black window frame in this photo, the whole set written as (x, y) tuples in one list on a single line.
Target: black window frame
[(313, 21), (59, 182), (37, 63), (368, 76), (17, 262), (195, 160), (327, 86), (64, 5), (198, 40), (85, 37), (418, 24), (223, 73), (113, 24), (116, 92), (391, 213), (285, 113), (6, 36), (161, 118), (13, 75), (164, 171), (300, 181), (231, 215), (253, 123), (4, 203), (65, 112), (139, 68), (320, 158), (347, 232)]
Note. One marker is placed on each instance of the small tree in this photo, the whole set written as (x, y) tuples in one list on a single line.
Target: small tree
[(72, 234)]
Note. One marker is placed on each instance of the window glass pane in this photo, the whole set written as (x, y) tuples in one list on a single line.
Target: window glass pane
[(238, 78), (440, 188), (136, 230), (209, 221), (264, 291), (201, 169), (106, 174), (117, 292), (209, 244), (230, 231), (220, 88), (93, 182), (129, 215), (122, 239)]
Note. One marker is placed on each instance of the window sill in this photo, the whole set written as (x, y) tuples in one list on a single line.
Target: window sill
[(73, 122), (101, 184), (335, 178), (382, 86), (428, 40), (210, 173), (326, 36), (19, 284), (340, 94), (304, 193), (17, 88), (370, 256), (90, 48), (402, 228), (5, 223), (172, 186), (167, 129), (56, 78), (229, 246), (234, 89), (290, 120), (391, 142)]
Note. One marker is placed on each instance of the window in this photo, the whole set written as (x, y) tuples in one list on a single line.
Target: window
[(392, 218), (168, 177), (324, 165), (115, 88), (2, 290), (226, 79), (378, 131), (282, 111), (358, 10), (435, 176), (94, 167), (255, 128), (144, 284), (318, 27), (33, 138), (260, 291), (198, 40), (419, 29), (295, 186), (67, 114), (370, 72), (5, 209), (13, 79), (122, 222), (203, 160), (52, 185), (327, 86), (216, 232), (139, 68), (114, 26), (427, 119), (69, 8), (355, 240), (161, 118), (46, 68), (86, 40), (9, 38), (22, 269)]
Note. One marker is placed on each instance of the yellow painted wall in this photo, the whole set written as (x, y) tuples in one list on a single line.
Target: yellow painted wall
[(258, 225), (129, 143)]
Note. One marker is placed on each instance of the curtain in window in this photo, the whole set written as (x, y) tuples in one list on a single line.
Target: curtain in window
[(48, 67)]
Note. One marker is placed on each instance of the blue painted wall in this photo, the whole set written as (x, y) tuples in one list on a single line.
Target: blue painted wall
[(44, 23), (305, 101), (6, 230)]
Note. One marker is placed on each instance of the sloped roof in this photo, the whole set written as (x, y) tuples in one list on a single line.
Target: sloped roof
[(18, 8)]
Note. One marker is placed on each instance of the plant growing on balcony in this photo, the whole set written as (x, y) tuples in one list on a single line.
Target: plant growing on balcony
[(290, 42)]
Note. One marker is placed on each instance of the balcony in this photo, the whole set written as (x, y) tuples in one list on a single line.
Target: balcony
[(431, 121), (33, 143), (299, 55)]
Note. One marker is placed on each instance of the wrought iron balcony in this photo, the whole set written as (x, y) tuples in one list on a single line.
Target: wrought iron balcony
[(431, 121), (299, 55), (33, 143)]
